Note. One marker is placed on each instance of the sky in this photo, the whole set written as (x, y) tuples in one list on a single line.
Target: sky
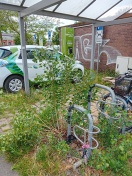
[(66, 22)]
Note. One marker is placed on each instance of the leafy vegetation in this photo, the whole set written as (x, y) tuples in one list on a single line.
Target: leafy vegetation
[(55, 37), (33, 24), (115, 148), (36, 143), (24, 135)]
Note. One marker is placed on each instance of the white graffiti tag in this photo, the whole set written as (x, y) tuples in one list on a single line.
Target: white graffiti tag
[(83, 46)]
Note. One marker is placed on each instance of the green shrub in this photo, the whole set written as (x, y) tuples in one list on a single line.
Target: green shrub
[(24, 135), (114, 158)]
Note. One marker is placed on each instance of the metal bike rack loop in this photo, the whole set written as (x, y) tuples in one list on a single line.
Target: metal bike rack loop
[(89, 129)]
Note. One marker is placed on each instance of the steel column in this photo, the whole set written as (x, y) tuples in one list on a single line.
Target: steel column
[(93, 48), (24, 55), (98, 57)]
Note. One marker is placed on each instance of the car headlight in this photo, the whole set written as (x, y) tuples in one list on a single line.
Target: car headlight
[(3, 63)]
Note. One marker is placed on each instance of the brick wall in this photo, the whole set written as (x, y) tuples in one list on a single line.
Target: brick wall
[(117, 41), (80, 34), (120, 38)]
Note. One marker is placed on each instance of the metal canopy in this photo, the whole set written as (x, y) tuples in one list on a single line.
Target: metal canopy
[(96, 12), (91, 11)]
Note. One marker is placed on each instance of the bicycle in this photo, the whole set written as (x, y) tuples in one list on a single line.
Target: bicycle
[(123, 94)]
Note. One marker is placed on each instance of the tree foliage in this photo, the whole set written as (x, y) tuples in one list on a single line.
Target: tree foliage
[(55, 37), (28, 37), (33, 24), (8, 22)]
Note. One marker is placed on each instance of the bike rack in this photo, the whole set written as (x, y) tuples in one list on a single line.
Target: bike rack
[(102, 87), (91, 129), (88, 131)]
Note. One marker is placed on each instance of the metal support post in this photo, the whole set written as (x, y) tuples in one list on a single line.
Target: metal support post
[(93, 48), (98, 57), (24, 55)]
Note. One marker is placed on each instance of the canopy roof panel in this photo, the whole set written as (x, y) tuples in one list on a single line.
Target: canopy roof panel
[(118, 10), (92, 11), (98, 8), (13, 2), (72, 7), (29, 3)]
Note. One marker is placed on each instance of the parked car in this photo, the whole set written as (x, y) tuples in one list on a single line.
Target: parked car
[(11, 68)]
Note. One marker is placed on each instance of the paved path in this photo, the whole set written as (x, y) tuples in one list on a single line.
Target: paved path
[(5, 168)]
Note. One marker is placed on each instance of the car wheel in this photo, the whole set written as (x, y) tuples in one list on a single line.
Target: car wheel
[(76, 76), (14, 84)]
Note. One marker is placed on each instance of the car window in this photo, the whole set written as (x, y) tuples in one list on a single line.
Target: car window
[(4, 53), (49, 54), (30, 54), (1, 53)]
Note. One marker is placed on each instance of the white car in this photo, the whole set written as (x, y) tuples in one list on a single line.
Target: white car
[(11, 68)]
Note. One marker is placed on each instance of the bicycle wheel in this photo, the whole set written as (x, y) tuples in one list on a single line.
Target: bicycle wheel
[(122, 104)]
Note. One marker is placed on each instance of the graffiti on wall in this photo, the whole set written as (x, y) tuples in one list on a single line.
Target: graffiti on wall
[(83, 46)]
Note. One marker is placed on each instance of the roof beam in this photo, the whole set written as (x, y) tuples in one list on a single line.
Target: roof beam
[(11, 7), (39, 6), (65, 16), (57, 6), (114, 22), (23, 1)]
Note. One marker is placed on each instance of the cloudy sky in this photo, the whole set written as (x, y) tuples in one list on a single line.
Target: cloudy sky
[(66, 22)]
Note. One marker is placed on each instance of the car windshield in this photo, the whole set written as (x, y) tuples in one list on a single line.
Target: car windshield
[(4, 53), (1, 53)]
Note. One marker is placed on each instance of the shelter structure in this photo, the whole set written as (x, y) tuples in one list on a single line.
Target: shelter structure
[(95, 12)]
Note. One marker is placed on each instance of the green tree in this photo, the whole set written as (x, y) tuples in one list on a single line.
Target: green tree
[(28, 36), (7, 22), (33, 24), (55, 36), (17, 39)]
